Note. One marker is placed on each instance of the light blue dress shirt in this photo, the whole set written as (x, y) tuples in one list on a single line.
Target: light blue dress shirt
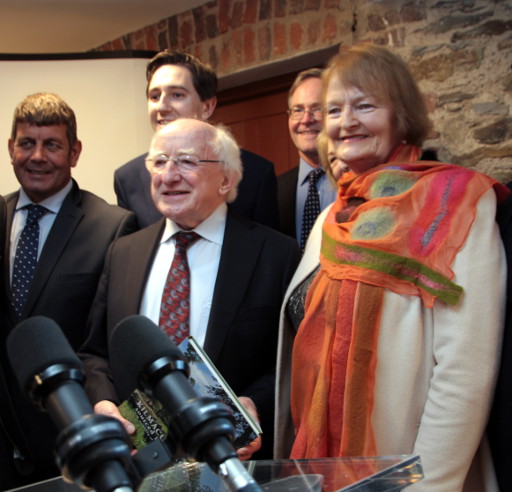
[(326, 191)]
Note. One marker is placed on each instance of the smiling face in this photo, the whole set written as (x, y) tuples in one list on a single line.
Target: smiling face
[(304, 132), (42, 159), (188, 198), (360, 127), (172, 95)]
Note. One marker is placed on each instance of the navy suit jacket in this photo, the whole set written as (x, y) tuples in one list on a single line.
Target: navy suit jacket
[(64, 285), (256, 199), (287, 199), (255, 268), (3, 218)]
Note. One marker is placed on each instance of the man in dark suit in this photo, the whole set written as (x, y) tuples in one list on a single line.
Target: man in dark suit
[(304, 124), (3, 218), (74, 232), (239, 271), (181, 86)]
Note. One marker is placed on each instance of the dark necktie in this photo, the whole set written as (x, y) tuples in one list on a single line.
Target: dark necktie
[(175, 307), (25, 260), (311, 206)]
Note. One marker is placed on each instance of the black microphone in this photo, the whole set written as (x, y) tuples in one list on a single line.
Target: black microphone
[(91, 450), (202, 427)]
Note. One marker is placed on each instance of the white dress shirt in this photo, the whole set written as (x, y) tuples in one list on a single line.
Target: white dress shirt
[(53, 205), (203, 259)]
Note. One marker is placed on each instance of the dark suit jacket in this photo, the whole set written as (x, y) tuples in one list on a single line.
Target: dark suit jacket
[(256, 199), (3, 218), (255, 268), (500, 422), (287, 199), (64, 285)]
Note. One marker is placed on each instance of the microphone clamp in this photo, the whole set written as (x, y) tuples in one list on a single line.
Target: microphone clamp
[(90, 443), (44, 382), (160, 368)]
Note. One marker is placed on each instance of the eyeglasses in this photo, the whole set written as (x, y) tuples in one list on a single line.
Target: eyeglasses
[(298, 113), (186, 164)]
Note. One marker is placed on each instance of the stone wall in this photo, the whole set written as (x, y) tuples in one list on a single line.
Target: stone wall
[(459, 50)]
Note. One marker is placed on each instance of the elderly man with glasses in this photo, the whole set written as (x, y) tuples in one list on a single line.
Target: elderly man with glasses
[(237, 273), (305, 190)]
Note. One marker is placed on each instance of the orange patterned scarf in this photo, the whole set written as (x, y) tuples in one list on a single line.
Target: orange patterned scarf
[(397, 227)]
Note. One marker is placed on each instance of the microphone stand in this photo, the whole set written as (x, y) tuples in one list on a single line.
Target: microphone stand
[(202, 427)]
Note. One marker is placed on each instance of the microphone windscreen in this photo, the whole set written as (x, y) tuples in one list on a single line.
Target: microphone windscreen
[(36, 344), (135, 343)]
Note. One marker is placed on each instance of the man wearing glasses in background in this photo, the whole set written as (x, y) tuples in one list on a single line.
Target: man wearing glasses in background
[(308, 178)]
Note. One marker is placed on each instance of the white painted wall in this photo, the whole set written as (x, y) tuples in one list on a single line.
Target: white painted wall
[(108, 97)]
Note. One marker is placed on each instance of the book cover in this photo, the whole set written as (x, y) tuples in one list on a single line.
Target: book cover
[(152, 420)]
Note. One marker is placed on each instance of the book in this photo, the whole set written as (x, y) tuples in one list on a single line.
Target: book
[(152, 421)]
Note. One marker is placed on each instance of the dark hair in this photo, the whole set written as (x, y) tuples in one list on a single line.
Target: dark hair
[(44, 109), (382, 74), (203, 76), (311, 73)]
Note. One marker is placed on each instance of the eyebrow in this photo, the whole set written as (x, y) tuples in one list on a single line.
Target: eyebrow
[(172, 87)]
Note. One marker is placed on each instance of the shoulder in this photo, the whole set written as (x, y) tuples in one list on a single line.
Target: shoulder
[(12, 197), (131, 167), (254, 163), (289, 175), (96, 206), (139, 240), (271, 237)]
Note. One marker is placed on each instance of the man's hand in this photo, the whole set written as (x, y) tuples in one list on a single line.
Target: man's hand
[(106, 407), (246, 452)]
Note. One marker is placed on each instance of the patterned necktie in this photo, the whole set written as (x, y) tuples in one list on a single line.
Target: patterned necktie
[(175, 307), (311, 207), (25, 260)]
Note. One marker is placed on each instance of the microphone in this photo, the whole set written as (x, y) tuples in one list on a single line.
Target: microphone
[(202, 427), (91, 450)]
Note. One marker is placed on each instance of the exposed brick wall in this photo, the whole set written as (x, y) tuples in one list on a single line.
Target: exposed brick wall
[(459, 50)]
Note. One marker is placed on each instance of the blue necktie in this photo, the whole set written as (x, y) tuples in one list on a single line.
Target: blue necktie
[(311, 206), (25, 260)]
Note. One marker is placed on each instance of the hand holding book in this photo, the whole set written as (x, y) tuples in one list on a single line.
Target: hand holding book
[(246, 452), (152, 421)]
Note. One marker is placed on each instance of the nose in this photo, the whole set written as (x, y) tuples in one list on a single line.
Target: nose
[(171, 173), (161, 104), (348, 117), (38, 153), (307, 117)]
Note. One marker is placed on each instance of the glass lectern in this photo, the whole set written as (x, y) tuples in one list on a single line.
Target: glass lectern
[(374, 474)]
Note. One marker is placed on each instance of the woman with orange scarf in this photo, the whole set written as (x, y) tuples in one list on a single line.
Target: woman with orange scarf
[(398, 347)]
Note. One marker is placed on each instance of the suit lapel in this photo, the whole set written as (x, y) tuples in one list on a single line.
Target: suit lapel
[(66, 222), (287, 197), (140, 259), (145, 185), (240, 252), (11, 200)]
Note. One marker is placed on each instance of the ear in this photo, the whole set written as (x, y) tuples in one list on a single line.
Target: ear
[(226, 184), (10, 145), (208, 108), (75, 152)]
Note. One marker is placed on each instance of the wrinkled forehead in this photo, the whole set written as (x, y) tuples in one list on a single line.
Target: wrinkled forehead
[(179, 139)]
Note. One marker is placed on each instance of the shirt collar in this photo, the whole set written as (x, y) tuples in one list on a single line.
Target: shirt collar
[(52, 203), (211, 229), (304, 170)]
